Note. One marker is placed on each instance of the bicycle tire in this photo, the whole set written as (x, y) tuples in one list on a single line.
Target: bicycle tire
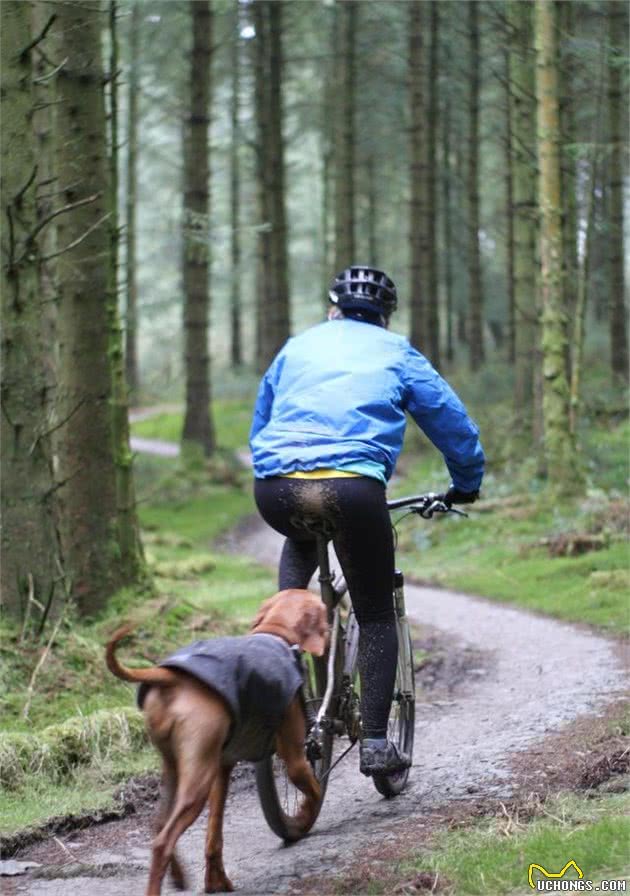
[(279, 798), (400, 727)]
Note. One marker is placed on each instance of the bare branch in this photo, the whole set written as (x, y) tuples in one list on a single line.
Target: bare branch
[(60, 211), (78, 241), (18, 196), (57, 426), (40, 663), (40, 37), (47, 77)]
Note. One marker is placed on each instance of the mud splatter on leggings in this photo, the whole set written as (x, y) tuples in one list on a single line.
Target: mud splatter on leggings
[(354, 514)]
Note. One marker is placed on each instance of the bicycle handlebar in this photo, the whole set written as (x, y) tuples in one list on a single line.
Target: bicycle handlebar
[(424, 505)]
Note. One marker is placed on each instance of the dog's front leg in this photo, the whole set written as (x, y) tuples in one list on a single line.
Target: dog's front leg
[(290, 748), (216, 880)]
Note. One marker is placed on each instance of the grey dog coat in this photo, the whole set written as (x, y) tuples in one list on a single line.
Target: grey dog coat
[(256, 675)]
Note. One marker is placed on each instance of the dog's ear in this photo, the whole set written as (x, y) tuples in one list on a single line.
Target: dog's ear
[(313, 630), (263, 609)]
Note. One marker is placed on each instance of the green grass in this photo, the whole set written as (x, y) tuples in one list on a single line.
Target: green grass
[(196, 593), (90, 789), (199, 519), (232, 420), (494, 858), (497, 554)]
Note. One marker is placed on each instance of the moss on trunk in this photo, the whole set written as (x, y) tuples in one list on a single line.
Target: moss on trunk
[(31, 562), (558, 442)]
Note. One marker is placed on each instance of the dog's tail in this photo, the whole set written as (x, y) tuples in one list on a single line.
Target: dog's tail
[(152, 675)]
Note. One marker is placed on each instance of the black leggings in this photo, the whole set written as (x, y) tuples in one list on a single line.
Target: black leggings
[(354, 513)]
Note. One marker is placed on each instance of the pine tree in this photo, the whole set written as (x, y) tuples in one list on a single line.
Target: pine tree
[(346, 23), (419, 222), (131, 321), (272, 317), (475, 300), (87, 469), (198, 428), (524, 211), (558, 442), (236, 335), (131, 565), (31, 567), (618, 32)]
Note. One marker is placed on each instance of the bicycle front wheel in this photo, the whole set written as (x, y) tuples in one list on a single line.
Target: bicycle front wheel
[(280, 799), (402, 716)]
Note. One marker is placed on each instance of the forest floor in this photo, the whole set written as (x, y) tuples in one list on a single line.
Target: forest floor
[(513, 707), (522, 749)]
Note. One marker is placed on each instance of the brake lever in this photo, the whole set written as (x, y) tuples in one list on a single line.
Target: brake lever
[(427, 511)]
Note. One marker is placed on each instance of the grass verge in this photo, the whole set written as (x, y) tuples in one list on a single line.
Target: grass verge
[(512, 548), (232, 418), (81, 734), (492, 857)]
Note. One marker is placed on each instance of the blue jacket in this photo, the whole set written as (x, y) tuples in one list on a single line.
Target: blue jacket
[(335, 397)]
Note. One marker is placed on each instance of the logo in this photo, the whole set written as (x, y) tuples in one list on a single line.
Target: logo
[(550, 875), (556, 882)]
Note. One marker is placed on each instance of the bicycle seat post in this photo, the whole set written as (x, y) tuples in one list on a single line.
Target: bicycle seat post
[(326, 578)]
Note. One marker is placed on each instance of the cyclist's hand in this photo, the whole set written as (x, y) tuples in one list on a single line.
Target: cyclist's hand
[(454, 496)]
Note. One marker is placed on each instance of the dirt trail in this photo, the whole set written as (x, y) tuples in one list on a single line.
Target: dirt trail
[(536, 675)]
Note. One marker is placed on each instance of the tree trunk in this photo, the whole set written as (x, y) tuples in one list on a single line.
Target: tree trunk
[(273, 313), (85, 444), (447, 228), (616, 95), (326, 139), (264, 282), (44, 126), (131, 328), (236, 336), (509, 216), (579, 319), (584, 262), (433, 313), (31, 563), (419, 223), (567, 75), (558, 443), (131, 564), (346, 15), (279, 306), (475, 310), (524, 213), (371, 211), (198, 429)]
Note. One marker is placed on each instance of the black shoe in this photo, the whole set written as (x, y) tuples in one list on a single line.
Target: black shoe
[(382, 758)]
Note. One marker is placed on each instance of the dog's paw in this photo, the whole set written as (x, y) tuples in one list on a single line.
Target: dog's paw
[(217, 881)]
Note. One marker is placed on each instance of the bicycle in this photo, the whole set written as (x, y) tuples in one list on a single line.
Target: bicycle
[(331, 689)]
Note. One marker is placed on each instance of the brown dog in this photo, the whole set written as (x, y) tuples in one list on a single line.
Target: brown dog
[(197, 730)]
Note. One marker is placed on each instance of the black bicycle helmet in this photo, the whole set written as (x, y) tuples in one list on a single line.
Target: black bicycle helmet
[(364, 288)]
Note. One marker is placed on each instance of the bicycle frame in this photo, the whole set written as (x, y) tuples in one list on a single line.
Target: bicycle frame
[(332, 597)]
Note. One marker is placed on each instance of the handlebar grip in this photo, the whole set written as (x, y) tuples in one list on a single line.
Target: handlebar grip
[(397, 503)]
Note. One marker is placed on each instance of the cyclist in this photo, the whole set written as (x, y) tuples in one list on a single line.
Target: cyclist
[(328, 427)]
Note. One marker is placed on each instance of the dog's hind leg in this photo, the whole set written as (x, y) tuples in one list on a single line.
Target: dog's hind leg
[(189, 801), (216, 880), (167, 798), (290, 748), (197, 764)]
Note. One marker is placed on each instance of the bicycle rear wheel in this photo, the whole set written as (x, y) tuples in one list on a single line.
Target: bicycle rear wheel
[(402, 716), (279, 798)]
